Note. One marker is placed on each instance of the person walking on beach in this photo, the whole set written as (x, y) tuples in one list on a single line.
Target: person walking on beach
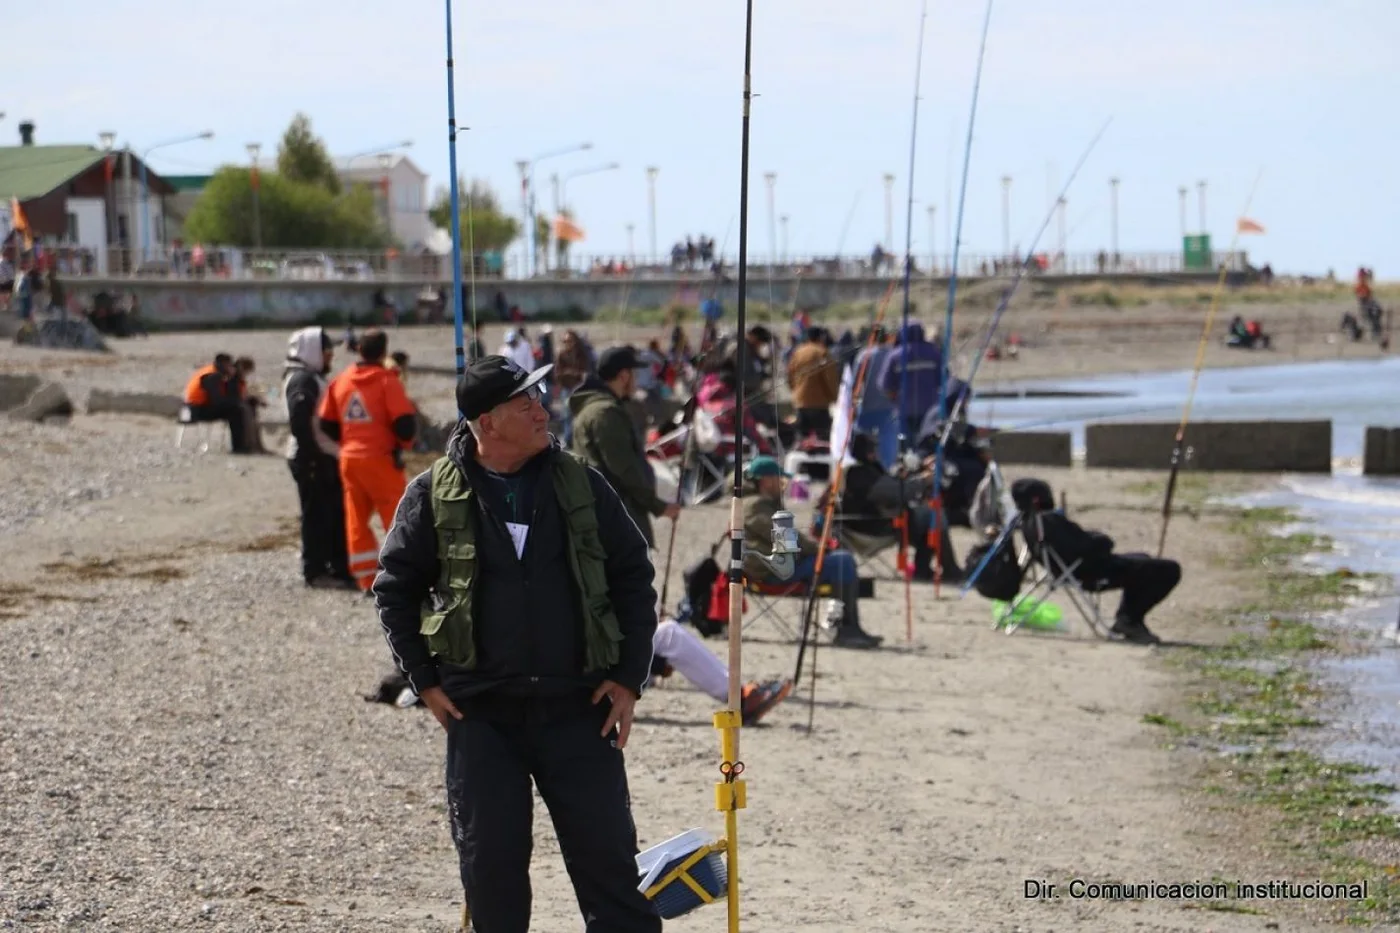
[(367, 412), (532, 652)]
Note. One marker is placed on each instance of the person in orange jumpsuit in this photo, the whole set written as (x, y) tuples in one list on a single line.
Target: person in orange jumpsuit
[(367, 412)]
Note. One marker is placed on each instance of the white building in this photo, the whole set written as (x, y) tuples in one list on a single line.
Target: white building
[(405, 209)]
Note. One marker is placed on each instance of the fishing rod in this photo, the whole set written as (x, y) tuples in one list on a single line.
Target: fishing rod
[(456, 207), (832, 495), (1178, 444), (937, 527), (729, 795), (1010, 291), (904, 316)]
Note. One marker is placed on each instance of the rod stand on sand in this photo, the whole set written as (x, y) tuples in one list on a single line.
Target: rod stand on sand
[(730, 794)]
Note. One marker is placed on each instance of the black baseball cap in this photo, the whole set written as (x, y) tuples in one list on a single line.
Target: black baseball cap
[(614, 360), (491, 380)]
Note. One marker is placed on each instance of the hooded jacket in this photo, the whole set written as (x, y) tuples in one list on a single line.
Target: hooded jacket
[(303, 385), (925, 365), (606, 439), (528, 627)]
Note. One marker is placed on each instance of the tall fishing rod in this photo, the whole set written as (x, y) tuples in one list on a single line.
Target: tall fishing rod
[(729, 795), (1010, 291), (904, 313), (455, 205), (1178, 443), (939, 533)]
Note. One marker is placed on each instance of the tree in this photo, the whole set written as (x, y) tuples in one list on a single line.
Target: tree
[(491, 228), (292, 214), (302, 156)]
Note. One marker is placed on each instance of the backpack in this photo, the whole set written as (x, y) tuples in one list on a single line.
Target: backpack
[(700, 580), (1001, 578)]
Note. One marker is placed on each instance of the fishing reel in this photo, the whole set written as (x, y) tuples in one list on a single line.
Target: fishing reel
[(782, 563)]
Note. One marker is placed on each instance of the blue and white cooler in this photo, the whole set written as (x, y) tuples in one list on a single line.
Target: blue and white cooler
[(683, 873)]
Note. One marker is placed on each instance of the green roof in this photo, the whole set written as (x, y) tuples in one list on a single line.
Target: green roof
[(188, 182), (33, 171)]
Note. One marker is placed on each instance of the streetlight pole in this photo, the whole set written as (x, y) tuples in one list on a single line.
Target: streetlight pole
[(1061, 205), (527, 193), (784, 221), (253, 150), (384, 162), (561, 192), (1181, 195), (1113, 217), (108, 140), (146, 189), (652, 172), (527, 233), (631, 251), (889, 212), (1006, 216), (932, 233), (771, 180), (1201, 186)]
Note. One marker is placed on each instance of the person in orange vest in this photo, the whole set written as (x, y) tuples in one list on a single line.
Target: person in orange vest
[(212, 395), (367, 412)]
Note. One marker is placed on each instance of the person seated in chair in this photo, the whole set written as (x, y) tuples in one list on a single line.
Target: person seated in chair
[(762, 500), (1144, 580), (212, 395), (873, 498)]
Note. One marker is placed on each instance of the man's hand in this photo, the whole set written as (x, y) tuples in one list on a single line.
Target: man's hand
[(624, 702), (673, 511), (442, 709)]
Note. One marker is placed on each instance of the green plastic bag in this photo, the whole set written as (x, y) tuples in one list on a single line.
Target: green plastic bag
[(1036, 614)]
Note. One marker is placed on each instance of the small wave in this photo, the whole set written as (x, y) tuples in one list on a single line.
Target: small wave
[(1335, 489)]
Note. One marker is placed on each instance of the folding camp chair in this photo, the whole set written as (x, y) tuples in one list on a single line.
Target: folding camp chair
[(1050, 574), (773, 600), (869, 549)]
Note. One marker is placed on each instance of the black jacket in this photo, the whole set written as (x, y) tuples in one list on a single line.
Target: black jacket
[(528, 624), (303, 391)]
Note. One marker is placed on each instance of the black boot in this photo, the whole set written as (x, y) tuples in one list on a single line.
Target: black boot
[(851, 635), (948, 561), (1134, 631)]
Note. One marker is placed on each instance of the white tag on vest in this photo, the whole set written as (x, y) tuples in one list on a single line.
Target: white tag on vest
[(518, 534)]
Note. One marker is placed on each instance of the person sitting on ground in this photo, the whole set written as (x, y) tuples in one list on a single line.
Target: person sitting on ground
[(873, 499), (762, 500), (676, 648), (251, 399), (1144, 580), (815, 379), (211, 395)]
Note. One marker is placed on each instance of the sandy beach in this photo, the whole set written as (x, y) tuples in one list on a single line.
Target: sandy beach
[(185, 744)]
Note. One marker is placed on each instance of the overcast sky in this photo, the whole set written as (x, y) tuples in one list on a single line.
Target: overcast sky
[(1197, 89)]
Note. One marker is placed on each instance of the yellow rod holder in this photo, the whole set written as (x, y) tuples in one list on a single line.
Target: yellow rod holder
[(730, 792)]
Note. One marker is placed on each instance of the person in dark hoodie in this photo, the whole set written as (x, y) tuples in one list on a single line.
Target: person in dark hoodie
[(313, 459), (924, 362), (516, 596), (605, 437)]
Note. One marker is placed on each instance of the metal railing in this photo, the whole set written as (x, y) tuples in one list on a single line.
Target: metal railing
[(232, 263)]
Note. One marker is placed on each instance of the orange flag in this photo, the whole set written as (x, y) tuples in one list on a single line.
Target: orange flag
[(21, 223), (1246, 225), (565, 229)]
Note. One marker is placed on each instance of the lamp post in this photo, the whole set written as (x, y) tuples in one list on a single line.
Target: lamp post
[(784, 255), (1006, 216), (889, 212), (527, 194), (561, 194), (254, 149), (1181, 195), (1113, 217), (770, 179), (631, 251), (652, 172), (1062, 206), (385, 160), (932, 230), (146, 190), (1201, 187), (108, 140)]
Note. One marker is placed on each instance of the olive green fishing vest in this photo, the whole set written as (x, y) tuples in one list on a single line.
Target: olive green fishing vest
[(450, 631)]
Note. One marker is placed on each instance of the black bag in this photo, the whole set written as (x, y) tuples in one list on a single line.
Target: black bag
[(699, 579), (1001, 577)]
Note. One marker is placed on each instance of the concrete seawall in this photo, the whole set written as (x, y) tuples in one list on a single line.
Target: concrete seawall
[(1382, 452), (1227, 446), (176, 303)]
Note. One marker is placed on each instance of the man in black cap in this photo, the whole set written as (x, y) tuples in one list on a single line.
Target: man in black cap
[(606, 439), (516, 595)]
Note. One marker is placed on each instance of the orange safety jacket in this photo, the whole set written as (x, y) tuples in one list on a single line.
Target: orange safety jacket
[(197, 389), (366, 400)]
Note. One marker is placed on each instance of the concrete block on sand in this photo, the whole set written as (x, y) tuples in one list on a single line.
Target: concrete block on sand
[(1232, 446), (1039, 448), (47, 401), (15, 390), (134, 403), (1382, 452)]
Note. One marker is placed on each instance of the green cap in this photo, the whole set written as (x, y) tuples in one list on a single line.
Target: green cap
[(764, 466)]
